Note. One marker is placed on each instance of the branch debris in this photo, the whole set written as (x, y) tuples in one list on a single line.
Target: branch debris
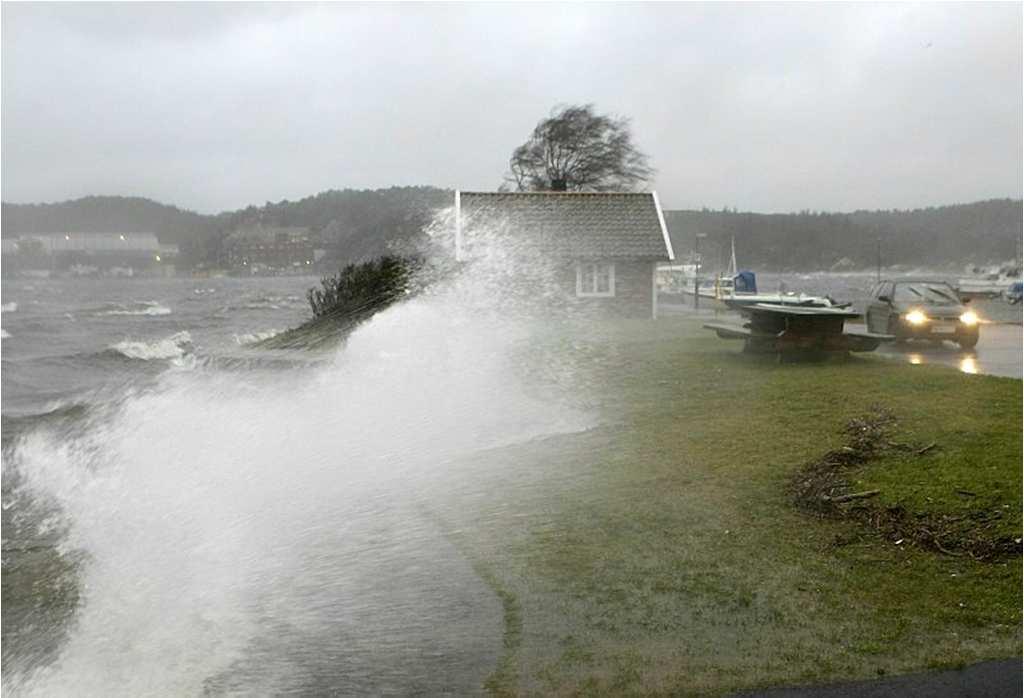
[(822, 488)]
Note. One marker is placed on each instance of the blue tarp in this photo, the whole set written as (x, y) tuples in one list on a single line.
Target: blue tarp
[(745, 282)]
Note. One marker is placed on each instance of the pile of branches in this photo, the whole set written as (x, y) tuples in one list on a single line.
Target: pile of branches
[(822, 488)]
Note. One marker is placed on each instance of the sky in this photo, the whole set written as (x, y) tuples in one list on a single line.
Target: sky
[(759, 107)]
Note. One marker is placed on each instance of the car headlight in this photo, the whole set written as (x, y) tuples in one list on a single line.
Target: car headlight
[(916, 317), (969, 318)]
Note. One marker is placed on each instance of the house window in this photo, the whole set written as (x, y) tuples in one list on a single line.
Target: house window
[(595, 279)]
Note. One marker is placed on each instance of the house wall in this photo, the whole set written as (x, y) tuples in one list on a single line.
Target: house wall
[(633, 289)]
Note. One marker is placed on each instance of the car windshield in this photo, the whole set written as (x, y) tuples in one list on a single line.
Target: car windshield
[(936, 292)]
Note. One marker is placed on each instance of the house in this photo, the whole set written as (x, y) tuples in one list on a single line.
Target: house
[(603, 248), (270, 247), (135, 251)]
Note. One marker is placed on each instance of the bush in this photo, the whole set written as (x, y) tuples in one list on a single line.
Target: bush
[(359, 290)]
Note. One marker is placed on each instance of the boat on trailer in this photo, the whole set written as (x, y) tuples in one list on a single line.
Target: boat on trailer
[(798, 332)]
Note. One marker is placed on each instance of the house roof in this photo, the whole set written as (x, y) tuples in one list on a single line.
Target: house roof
[(568, 224)]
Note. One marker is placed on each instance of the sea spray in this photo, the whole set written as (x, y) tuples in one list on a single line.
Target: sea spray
[(230, 525)]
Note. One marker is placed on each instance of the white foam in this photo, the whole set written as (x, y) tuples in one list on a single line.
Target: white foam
[(149, 310), (173, 347), (9, 307), (4, 334), (253, 337), (200, 505)]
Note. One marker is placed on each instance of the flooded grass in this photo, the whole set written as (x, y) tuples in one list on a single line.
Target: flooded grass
[(661, 552)]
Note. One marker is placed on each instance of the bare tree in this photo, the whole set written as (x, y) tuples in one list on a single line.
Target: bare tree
[(575, 149)]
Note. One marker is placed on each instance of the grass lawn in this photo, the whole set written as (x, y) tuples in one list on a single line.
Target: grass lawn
[(660, 552)]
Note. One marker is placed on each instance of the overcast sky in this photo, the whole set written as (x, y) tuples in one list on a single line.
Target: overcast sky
[(759, 107)]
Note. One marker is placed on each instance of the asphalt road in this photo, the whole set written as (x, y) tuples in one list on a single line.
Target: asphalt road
[(998, 352), (986, 680)]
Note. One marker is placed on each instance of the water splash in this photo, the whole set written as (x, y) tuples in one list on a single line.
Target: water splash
[(230, 524)]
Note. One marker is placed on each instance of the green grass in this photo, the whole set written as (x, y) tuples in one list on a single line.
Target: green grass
[(660, 553)]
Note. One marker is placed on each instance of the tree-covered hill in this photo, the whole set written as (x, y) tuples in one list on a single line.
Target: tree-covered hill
[(103, 214), (351, 224), (986, 231)]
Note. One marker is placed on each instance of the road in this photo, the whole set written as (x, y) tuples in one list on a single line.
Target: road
[(998, 352)]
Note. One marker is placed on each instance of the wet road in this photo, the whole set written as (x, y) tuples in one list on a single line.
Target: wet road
[(998, 352)]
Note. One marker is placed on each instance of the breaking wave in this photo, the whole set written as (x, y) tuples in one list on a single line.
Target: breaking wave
[(4, 334), (138, 308), (254, 337), (173, 347), (9, 307), (225, 527)]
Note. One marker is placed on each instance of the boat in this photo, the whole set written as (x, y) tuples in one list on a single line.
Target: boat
[(744, 295), (736, 289)]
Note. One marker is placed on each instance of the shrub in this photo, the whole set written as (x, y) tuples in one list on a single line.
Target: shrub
[(359, 290)]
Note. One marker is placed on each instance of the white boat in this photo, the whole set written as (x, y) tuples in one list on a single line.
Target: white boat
[(739, 290)]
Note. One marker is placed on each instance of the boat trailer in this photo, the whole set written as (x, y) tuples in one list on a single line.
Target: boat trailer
[(798, 332)]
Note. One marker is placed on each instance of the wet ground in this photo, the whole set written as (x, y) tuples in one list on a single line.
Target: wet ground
[(988, 680), (998, 352)]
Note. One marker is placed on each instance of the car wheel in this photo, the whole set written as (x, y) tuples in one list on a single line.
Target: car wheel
[(967, 341)]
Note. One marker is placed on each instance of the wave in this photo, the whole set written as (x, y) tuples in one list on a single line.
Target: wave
[(174, 347), (151, 308), (4, 334), (226, 524), (9, 307), (57, 411), (253, 337)]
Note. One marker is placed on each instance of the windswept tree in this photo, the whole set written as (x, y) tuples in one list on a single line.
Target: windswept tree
[(576, 149)]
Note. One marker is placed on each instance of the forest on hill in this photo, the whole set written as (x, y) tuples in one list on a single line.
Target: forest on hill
[(354, 225), (103, 214), (351, 224), (942, 236)]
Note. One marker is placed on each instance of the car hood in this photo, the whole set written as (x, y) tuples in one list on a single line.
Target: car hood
[(943, 309)]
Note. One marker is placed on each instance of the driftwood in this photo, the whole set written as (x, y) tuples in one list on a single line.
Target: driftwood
[(852, 496), (922, 451)]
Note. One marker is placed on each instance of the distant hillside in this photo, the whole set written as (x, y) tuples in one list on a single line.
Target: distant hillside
[(986, 231), (103, 214), (351, 224)]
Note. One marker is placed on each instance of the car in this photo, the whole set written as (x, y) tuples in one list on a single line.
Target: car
[(921, 309)]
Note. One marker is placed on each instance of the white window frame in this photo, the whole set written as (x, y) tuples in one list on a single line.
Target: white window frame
[(591, 268)]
